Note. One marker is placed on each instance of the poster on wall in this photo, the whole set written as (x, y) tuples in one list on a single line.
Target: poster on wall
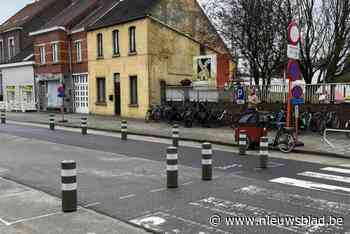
[(205, 70)]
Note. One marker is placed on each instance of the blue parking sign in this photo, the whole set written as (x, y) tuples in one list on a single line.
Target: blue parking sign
[(240, 95)]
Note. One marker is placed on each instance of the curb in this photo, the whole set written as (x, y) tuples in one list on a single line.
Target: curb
[(298, 151)]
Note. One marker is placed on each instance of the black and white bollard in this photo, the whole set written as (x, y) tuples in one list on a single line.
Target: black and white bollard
[(69, 186), (171, 167), (207, 161), (52, 122), (124, 130), (84, 125), (264, 152), (3, 117), (175, 135), (242, 142)]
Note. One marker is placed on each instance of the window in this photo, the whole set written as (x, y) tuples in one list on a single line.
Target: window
[(99, 45), (115, 42), (133, 90), (1, 50), (54, 52), (132, 40), (101, 90), (11, 47), (42, 55), (78, 51)]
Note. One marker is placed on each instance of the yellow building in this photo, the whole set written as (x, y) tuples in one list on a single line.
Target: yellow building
[(132, 56)]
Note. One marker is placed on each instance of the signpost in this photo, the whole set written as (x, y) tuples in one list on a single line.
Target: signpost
[(295, 94), (61, 94)]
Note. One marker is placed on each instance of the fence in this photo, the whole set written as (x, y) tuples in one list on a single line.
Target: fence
[(19, 107), (313, 93)]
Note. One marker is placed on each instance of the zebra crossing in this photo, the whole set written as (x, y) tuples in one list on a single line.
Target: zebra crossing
[(325, 179)]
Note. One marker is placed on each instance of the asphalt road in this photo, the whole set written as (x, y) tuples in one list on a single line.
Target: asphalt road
[(126, 180)]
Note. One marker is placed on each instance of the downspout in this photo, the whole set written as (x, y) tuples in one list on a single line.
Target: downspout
[(70, 60)]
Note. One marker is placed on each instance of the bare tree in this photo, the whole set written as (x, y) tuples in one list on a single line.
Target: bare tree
[(256, 30)]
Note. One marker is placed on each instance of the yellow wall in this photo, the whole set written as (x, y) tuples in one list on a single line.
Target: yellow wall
[(162, 54), (125, 65), (171, 57)]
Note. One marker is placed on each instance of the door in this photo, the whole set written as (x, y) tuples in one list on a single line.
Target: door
[(81, 94), (52, 94), (117, 93)]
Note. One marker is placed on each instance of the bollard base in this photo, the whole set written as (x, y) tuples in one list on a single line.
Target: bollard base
[(69, 201), (263, 161)]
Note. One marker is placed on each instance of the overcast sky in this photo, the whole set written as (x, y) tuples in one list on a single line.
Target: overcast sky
[(10, 7)]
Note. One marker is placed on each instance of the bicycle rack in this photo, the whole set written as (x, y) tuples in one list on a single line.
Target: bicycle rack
[(333, 130)]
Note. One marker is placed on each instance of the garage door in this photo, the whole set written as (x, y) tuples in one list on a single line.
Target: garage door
[(81, 95)]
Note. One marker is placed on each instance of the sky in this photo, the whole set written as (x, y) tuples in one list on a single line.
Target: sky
[(10, 7)]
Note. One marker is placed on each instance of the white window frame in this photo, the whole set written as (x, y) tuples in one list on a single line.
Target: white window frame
[(54, 47), (42, 53), (2, 52), (10, 55), (77, 45)]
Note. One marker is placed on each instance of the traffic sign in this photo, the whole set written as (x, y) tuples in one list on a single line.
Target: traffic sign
[(297, 92), (240, 95), (293, 33), (60, 91), (293, 52), (293, 70), (297, 101)]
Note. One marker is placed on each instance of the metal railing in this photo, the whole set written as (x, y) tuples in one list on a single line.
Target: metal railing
[(313, 93), (346, 131)]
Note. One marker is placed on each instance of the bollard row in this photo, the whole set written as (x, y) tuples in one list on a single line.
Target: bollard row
[(124, 130), (172, 168), (3, 117), (84, 125), (207, 161), (175, 135), (242, 142), (69, 186), (264, 152), (52, 122)]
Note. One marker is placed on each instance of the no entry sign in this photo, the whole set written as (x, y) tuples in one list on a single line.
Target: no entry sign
[(297, 92), (293, 70), (293, 33)]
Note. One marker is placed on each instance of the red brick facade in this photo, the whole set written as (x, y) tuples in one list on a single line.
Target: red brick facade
[(66, 45)]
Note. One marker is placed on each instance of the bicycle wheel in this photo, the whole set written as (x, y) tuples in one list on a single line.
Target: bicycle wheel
[(286, 143)]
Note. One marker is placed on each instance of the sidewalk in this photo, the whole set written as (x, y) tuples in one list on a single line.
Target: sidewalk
[(27, 211), (314, 143)]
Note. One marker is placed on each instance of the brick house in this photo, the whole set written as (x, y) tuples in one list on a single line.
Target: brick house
[(16, 49), (61, 55)]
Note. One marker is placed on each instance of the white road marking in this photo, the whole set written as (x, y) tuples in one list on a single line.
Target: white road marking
[(188, 183), (127, 196), (5, 222), (335, 169), (92, 204), (296, 199), (35, 217), (310, 185), (326, 176), (157, 190)]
